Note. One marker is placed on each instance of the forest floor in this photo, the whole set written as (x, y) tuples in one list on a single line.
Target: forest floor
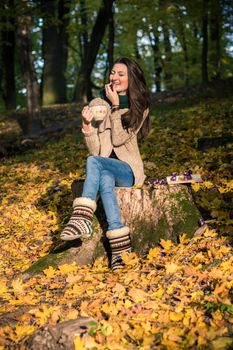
[(179, 296)]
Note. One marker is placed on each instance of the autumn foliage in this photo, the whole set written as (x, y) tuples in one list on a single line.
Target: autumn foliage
[(178, 296)]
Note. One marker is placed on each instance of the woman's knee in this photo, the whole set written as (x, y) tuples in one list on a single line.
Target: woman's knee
[(92, 161), (107, 181)]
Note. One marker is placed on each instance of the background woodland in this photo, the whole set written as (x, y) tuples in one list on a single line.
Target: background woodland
[(60, 51), (54, 57)]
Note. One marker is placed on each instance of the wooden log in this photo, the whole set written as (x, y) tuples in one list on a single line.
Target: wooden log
[(60, 336)]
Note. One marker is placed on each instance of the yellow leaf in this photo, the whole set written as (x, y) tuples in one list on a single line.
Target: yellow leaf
[(128, 303), (18, 286), (208, 184), (222, 343), (153, 253), (137, 295), (109, 309), (79, 344), (219, 289), (50, 272), (183, 238), (158, 293), (171, 268), (216, 274), (65, 269), (148, 341), (43, 314), (119, 290), (3, 287), (196, 186), (210, 233), (106, 328), (23, 330), (130, 259), (166, 244), (222, 189)]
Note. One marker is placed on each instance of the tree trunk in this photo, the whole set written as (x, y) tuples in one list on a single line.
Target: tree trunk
[(204, 67), (84, 76), (154, 40), (110, 48), (168, 54), (151, 214), (184, 47), (215, 36), (55, 51), (111, 39), (8, 53), (32, 125), (167, 45)]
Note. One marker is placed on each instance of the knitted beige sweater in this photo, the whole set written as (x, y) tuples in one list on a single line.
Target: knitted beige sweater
[(110, 135)]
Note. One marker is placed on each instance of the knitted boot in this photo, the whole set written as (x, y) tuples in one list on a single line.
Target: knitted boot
[(79, 225), (120, 242)]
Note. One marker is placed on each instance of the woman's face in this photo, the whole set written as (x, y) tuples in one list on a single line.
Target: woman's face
[(119, 77)]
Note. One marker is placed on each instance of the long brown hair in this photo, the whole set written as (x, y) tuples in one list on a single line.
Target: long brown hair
[(139, 98)]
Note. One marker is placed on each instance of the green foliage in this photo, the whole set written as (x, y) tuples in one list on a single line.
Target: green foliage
[(134, 23)]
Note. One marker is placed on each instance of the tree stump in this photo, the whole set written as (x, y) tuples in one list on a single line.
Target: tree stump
[(151, 214)]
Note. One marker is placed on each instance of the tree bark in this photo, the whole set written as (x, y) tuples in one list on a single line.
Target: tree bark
[(111, 39), (154, 40), (167, 45), (204, 67), (183, 43), (60, 336), (215, 36), (84, 75), (33, 124), (8, 53), (110, 47), (55, 51)]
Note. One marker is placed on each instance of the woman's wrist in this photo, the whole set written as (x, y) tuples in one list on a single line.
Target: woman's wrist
[(115, 107), (87, 127)]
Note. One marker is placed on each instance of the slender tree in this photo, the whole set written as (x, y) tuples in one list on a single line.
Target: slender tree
[(166, 43), (111, 38), (7, 39), (183, 42), (54, 50), (154, 40), (110, 45), (204, 55), (32, 124), (84, 75), (215, 36)]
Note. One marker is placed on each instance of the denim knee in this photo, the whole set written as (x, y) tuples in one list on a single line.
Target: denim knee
[(107, 182), (91, 160)]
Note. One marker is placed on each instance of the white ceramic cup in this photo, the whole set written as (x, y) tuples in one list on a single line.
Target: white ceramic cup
[(99, 112)]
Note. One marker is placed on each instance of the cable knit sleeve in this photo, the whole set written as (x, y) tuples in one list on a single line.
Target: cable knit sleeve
[(120, 136), (92, 141)]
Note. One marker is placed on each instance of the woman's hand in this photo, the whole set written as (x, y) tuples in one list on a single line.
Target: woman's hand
[(87, 118), (110, 90)]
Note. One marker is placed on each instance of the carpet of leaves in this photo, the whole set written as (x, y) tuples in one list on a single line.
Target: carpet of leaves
[(178, 296)]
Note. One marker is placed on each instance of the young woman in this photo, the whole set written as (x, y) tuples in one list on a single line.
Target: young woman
[(115, 159)]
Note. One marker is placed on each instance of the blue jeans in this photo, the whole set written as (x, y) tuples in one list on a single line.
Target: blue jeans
[(102, 175)]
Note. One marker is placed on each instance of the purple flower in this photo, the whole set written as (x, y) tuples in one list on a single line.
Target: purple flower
[(201, 222)]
